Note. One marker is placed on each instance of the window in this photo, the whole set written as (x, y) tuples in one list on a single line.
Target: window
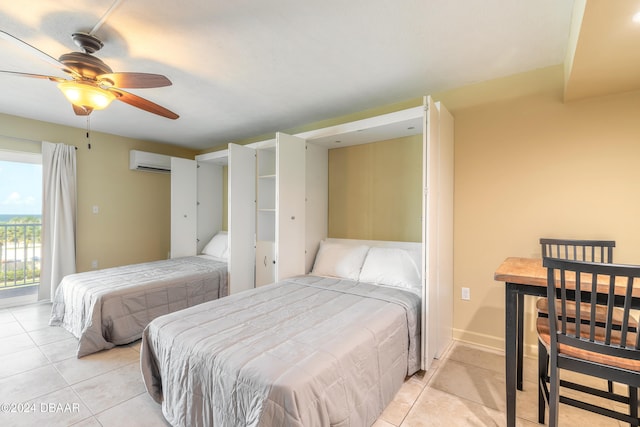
[(20, 226)]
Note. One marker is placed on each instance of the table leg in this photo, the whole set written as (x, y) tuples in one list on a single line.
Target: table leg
[(511, 307), (520, 311)]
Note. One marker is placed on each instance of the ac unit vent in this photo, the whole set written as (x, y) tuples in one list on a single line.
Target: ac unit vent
[(149, 162)]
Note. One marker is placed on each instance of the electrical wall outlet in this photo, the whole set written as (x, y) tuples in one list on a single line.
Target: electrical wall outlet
[(94, 263), (466, 294)]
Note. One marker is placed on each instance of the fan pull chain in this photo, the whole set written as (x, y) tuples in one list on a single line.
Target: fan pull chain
[(89, 132)]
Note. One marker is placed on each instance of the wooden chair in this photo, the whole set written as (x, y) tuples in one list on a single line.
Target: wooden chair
[(606, 349), (575, 250), (578, 250)]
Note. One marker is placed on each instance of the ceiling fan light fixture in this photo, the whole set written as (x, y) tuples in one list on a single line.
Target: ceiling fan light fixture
[(86, 94)]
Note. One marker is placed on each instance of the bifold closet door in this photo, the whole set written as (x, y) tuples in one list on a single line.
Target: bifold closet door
[(437, 240), (184, 220), (290, 206), (430, 233), (241, 217), (445, 230), (209, 205), (316, 200)]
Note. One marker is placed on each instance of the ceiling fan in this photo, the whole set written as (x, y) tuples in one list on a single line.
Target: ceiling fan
[(93, 84)]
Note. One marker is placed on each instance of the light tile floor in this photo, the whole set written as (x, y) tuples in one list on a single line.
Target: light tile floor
[(43, 381)]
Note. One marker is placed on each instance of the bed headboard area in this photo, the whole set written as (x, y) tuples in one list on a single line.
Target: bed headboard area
[(397, 264), (415, 246)]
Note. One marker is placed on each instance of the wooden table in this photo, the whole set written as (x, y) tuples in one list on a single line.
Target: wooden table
[(523, 276)]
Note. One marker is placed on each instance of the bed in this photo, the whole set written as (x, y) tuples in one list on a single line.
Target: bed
[(112, 306), (329, 348)]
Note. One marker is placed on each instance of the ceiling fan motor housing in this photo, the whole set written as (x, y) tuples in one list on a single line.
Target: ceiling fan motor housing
[(84, 64)]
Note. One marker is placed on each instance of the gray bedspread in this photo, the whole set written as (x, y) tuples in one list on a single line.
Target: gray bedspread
[(112, 306), (307, 351)]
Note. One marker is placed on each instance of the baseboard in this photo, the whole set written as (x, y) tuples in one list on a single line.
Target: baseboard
[(490, 342)]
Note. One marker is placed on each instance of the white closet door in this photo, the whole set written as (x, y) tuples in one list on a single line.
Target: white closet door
[(445, 230), (242, 217), (209, 204), (317, 200), (290, 206), (430, 234), (265, 262), (183, 207)]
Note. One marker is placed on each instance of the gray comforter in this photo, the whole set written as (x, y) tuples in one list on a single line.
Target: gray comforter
[(306, 351), (112, 306)]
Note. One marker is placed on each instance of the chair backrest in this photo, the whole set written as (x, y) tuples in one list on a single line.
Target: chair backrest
[(578, 250), (599, 286)]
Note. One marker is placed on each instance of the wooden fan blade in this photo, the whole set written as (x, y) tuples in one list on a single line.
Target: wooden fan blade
[(35, 76), (143, 104), (135, 80), (37, 52), (81, 111)]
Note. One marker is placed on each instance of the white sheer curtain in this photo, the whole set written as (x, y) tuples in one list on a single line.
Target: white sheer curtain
[(58, 216)]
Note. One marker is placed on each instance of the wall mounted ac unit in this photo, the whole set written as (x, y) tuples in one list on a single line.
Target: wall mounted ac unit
[(149, 162)]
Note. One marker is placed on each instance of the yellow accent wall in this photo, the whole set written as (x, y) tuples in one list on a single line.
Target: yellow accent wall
[(375, 190), (133, 223)]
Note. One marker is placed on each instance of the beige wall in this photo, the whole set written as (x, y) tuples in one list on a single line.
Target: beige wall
[(133, 223), (531, 166), (375, 190)]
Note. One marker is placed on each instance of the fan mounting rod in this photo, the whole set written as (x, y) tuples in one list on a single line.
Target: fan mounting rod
[(105, 16)]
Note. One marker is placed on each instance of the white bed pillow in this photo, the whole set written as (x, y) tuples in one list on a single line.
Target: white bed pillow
[(339, 260), (392, 267), (218, 246)]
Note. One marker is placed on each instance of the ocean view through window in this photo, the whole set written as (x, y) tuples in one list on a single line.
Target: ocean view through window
[(20, 227)]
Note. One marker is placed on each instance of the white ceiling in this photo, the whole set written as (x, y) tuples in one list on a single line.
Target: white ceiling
[(244, 68)]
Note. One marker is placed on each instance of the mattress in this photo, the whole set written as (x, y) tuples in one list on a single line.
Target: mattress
[(112, 306), (301, 352)]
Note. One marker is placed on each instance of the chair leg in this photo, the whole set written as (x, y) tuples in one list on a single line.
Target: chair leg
[(543, 363), (554, 392), (633, 405)]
